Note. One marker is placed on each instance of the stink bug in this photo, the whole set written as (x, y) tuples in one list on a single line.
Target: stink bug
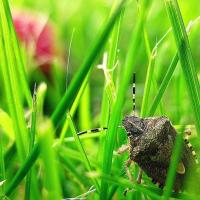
[(151, 142)]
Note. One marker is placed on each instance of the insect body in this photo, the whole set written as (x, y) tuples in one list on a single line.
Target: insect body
[(151, 141)]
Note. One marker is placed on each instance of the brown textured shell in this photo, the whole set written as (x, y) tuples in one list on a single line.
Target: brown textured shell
[(151, 144)]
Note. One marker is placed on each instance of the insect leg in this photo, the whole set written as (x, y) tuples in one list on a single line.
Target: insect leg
[(128, 173), (188, 133), (139, 178), (123, 149)]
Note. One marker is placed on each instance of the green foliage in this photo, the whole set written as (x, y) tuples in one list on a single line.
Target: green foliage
[(41, 155)]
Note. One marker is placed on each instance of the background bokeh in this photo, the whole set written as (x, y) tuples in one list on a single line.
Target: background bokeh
[(55, 37), (77, 23)]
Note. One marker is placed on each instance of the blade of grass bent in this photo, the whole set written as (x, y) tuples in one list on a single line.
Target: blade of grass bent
[(185, 57), (68, 98), (116, 113)]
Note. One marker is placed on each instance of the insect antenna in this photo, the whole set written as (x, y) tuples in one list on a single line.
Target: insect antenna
[(133, 87), (95, 130)]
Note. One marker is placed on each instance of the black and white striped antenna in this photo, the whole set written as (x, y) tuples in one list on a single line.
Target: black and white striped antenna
[(134, 101), (96, 130)]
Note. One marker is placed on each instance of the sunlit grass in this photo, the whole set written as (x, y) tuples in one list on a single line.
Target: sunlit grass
[(41, 155)]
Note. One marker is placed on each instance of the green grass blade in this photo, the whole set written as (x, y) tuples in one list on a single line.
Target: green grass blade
[(185, 57), (116, 113), (20, 68), (81, 149), (51, 176), (84, 109), (109, 94), (70, 166), (31, 144), (68, 98), (11, 83), (23, 170), (111, 62), (173, 165), (148, 83), (73, 110), (127, 184), (2, 167), (7, 125), (163, 85), (41, 92), (166, 79)]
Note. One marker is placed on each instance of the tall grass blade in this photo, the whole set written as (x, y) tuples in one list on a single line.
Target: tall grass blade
[(185, 57), (116, 113), (31, 144), (11, 84), (68, 98), (166, 79), (20, 66)]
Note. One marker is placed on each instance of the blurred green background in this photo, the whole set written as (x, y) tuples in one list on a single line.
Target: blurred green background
[(55, 39), (78, 23)]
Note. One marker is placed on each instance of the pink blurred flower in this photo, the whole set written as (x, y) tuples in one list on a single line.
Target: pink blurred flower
[(36, 32)]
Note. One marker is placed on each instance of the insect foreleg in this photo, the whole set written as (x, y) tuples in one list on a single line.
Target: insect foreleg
[(123, 149)]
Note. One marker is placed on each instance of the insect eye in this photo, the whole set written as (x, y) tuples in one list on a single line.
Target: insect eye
[(136, 131)]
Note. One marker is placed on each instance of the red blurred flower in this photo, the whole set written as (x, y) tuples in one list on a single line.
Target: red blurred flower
[(36, 32)]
